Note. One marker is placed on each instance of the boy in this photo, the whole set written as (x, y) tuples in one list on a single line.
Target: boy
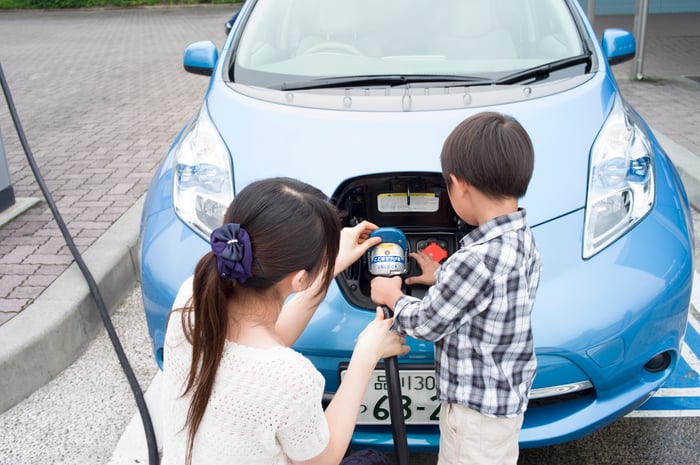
[(477, 309)]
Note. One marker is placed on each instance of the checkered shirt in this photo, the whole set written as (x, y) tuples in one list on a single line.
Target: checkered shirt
[(478, 316)]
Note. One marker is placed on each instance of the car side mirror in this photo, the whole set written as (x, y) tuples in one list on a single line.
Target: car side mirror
[(201, 58), (618, 45)]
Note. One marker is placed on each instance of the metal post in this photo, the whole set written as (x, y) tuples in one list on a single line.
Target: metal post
[(7, 195), (590, 10), (640, 32)]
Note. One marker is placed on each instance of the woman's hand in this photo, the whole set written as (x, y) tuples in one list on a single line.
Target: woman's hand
[(354, 241), (377, 341), (428, 268)]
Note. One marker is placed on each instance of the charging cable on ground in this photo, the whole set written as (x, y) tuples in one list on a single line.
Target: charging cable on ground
[(94, 290)]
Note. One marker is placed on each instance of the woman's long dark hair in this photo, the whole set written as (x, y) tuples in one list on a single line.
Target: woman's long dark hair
[(292, 227)]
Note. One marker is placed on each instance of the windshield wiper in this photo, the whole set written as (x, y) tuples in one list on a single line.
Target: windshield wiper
[(542, 72), (384, 80)]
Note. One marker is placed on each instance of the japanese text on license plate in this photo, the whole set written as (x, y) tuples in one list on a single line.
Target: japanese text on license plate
[(418, 398)]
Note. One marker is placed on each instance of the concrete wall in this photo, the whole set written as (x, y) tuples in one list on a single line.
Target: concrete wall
[(627, 7)]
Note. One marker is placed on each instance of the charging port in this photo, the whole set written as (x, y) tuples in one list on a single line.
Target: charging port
[(415, 203)]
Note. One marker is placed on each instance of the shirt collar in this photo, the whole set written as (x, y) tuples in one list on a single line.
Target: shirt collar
[(496, 227)]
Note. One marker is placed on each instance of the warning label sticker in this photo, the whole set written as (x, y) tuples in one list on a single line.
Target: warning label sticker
[(408, 203)]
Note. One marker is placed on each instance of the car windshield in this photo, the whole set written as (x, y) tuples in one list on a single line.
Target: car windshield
[(295, 44)]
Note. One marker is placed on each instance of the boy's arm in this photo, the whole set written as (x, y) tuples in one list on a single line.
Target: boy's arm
[(464, 288)]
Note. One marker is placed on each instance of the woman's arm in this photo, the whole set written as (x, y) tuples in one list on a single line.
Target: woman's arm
[(375, 342), (297, 311)]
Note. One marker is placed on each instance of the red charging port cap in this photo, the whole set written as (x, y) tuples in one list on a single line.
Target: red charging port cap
[(435, 251)]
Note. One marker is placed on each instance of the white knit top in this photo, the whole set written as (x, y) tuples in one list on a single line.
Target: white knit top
[(265, 407)]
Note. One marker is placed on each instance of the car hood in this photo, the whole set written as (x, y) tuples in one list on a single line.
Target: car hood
[(326, 146)]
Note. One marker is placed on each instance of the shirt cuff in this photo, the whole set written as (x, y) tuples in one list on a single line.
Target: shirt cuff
[(400, 304)]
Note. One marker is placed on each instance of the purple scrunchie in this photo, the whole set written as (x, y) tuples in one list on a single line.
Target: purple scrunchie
[(234, 252)]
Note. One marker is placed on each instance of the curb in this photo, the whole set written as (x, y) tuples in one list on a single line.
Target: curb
[(51, 333), (688, 165)]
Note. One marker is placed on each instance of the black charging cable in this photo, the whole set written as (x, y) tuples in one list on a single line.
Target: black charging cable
[(393, 386), (94, 290)]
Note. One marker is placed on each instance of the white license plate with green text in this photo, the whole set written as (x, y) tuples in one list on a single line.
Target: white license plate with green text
[(418, 398)]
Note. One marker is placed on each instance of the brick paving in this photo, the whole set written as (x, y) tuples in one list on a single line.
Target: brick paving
[(101, 94)]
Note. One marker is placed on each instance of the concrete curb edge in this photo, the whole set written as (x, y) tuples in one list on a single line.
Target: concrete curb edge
[(688, 165), (54, 330)]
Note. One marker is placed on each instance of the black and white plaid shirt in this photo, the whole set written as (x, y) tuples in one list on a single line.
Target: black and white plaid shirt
[(478, 316)]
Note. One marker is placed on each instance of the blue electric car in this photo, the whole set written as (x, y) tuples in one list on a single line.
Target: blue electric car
[(356, 98)]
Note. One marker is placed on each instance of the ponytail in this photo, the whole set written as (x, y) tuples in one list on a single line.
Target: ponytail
[(204, 324)]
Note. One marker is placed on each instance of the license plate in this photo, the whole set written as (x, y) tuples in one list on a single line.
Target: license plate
[(418, 398)]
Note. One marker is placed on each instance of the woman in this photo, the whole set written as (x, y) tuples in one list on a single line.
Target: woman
[(237, 392)]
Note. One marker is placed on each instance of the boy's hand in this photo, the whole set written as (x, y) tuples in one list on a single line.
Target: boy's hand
[(428, 268), (386, 291), (354, 242)]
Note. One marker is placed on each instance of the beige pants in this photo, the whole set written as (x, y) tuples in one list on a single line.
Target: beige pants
[(469, 438)]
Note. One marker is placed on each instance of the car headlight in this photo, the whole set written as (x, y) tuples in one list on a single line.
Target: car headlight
[(620, 180), (202, 180)]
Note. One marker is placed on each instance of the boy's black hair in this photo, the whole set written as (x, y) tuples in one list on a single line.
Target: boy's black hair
[(492, 152)]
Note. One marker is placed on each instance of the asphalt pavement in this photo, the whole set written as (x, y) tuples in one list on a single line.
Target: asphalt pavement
[(101, 94)]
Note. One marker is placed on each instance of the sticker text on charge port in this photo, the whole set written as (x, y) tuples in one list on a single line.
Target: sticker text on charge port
[(403, 203)]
